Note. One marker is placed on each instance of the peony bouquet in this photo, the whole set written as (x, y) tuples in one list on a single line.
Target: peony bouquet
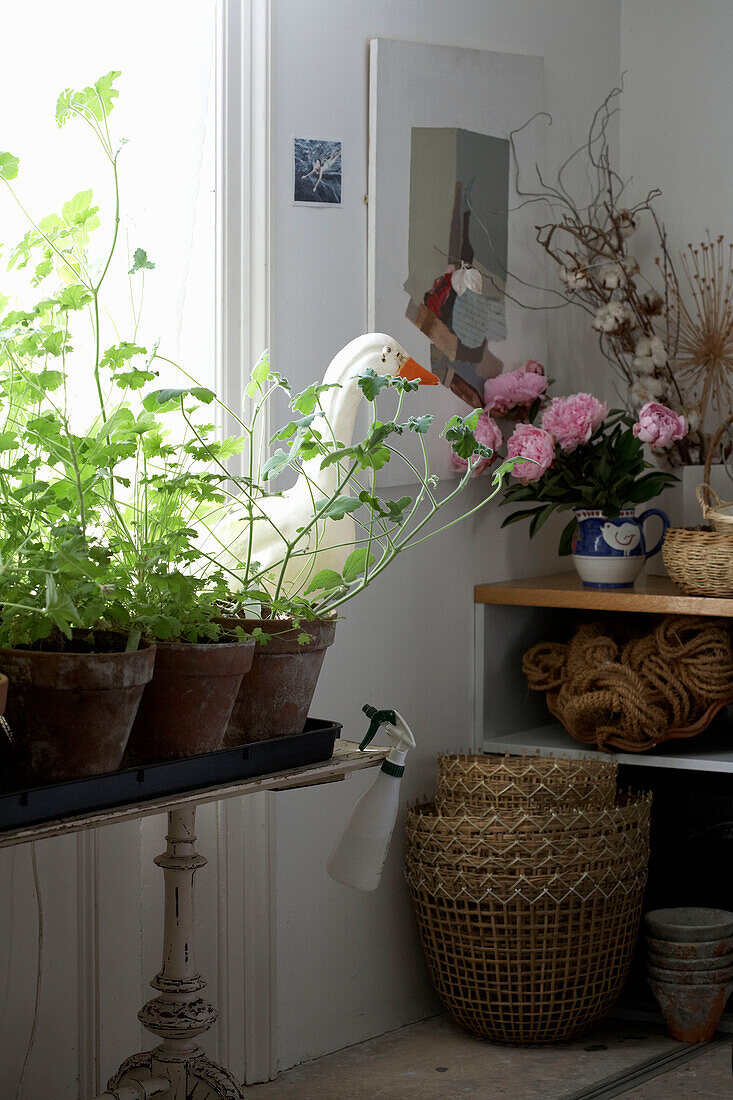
[(580, 455), (572, 452)]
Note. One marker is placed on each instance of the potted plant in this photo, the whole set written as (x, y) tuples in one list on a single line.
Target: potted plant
[(306, 552), (582, 459), (75, 684), (97, 523), (174, 590)]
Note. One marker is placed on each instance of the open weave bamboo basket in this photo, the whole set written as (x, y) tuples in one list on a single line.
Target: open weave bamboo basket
[(480, 781), (528, 913)]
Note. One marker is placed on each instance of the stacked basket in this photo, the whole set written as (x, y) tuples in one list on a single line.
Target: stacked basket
[(527, 877)]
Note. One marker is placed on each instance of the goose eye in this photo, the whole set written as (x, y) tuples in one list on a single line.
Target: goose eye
[(385, 352)]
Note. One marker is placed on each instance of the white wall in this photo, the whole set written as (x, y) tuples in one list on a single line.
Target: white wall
[(349, 965), (677, 123)]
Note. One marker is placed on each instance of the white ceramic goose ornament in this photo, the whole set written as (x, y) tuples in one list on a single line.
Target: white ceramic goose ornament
[(293, 508)]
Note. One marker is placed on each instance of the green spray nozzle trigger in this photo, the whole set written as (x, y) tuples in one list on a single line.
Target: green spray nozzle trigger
[(378, 718)]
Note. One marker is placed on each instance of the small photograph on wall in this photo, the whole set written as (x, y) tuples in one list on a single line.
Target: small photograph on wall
[(316, 172)]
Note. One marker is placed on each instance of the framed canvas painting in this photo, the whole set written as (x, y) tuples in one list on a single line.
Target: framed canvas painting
[(445, 222)]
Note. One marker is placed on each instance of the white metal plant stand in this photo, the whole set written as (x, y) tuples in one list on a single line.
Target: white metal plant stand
[(178, 1069)]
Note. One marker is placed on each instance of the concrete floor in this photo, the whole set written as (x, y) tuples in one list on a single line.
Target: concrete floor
[(435, 1060)]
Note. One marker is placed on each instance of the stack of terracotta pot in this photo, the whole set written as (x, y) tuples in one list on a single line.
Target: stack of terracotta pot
[(690, 968)]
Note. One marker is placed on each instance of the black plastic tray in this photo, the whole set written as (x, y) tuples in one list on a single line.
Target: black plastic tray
[(35, 805)]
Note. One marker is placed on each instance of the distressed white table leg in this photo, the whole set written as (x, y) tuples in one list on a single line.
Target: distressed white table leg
[(179, 1014)]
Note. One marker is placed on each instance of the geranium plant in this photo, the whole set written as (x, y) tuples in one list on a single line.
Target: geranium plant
[(98, 519), (295, 584)]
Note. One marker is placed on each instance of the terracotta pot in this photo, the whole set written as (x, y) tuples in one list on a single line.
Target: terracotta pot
[(691, 1013), (689, 966), (663, 974), (274, 699), (186, 706), (70, 713), (708, 949)]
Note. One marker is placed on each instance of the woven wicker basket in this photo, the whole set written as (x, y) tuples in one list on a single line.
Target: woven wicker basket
[(528, 919), (699, 561), (547, 851), (485, 781), (529, 971), (718, 513)]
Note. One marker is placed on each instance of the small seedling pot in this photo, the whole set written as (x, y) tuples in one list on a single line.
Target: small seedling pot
[(689, 966), (689, 924), (275, 697), (706, 949), (690, 977), (186, 707), (70, 712), (691, 1013)]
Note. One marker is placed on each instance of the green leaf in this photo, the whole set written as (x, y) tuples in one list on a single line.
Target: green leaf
[(8, 166), (357, 563), (166, 400), (119, 355), (260, 374), (140, 261), (370, 383), (459, 433), (325, 580), (93, 102), (275, 464), (338, 507), (291, 429), (515, 517), (396, 508), (50, 379), (566, 538), (79, 210), (306, 401), (420, 424), (106, 92), (75, 296), (542, 516)]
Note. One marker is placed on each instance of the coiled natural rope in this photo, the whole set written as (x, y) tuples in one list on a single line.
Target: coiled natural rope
[(628, 694)]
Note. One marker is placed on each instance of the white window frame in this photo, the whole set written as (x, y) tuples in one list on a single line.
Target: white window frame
[(245, 827)]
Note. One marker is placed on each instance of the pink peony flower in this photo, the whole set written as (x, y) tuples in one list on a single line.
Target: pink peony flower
[(572, 420), (517, 387), (659, 426), (487, 432), (533, 367), (535, 443)]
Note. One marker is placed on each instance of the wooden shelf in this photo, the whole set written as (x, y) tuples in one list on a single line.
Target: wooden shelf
[(709, 752), (651, 595)]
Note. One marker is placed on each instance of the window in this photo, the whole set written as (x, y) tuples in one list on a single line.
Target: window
[(166, 111)]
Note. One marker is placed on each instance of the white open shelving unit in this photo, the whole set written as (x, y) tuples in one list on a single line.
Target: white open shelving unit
[(512, 616), (713, 752), (508, 717)]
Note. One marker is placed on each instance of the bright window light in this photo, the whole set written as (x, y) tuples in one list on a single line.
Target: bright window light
[(165, 111)]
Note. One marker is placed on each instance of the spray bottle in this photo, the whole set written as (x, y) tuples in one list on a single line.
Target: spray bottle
[(358, 858)]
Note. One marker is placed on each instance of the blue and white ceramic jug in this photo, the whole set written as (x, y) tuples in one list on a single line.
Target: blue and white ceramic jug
[(611, 553)]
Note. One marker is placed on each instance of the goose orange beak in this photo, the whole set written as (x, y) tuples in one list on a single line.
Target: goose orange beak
[(411, 369)]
